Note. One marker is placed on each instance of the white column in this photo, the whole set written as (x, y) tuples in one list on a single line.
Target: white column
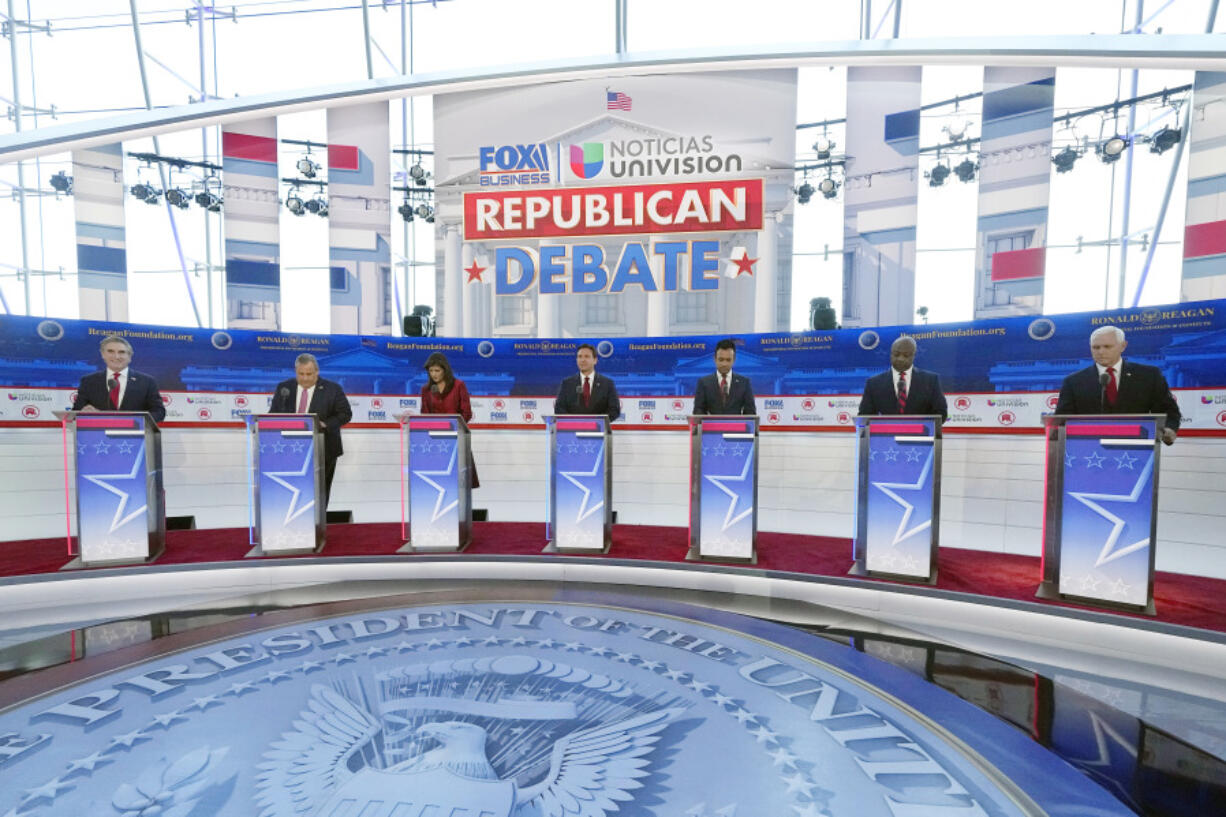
[(472, 294), (452, 317), (548, 318), (657, 302), (766, 283)]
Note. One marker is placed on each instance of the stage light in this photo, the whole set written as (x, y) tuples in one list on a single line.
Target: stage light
[(424, 211), (406, 212), (1065, 159), (1111, 149), (824, 147), (317, 206), (828, 187), (804, 193), (1160, 142), (294, 203), (957, 132), (146, 193), (418, 174), (938, 175), (307, 167), (209, 201), (61, 182), (965, 170), (176, 197)]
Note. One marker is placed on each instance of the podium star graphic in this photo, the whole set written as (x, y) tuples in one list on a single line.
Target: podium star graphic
[(103, 481), (889, 488), (424, 476), (1109, 551), (293, 511), (731, 517), (572, 477)]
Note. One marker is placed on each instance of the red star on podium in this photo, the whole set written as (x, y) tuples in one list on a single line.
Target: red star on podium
[(744, 264), (474, 273)]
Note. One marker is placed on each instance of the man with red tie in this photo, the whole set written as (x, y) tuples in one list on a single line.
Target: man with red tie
[(724, 392), (1117, 386), (587, 392), (308, 393), (904, 389), (119, 387)]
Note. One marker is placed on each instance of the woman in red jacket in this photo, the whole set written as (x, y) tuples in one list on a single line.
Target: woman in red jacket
[(444, 394)]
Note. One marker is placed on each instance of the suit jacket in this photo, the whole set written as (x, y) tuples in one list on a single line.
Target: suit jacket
[(604, 397), (1141, 389), (455, 401), (328, 403), (141, 394), (709, 399), (924, 395)]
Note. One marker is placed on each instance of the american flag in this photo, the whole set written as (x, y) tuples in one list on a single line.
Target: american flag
[(617, 101)]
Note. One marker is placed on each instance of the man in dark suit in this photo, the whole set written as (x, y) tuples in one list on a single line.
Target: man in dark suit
[(1117, 386), (904, 389), (308, 393), (724, 392), (119, 388), (587, 392)]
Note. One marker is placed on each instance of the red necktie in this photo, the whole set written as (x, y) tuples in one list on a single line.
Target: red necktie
[(1112, 388), (724, 386), (902, 392), (115, 390), (587, 391), (302, 401)]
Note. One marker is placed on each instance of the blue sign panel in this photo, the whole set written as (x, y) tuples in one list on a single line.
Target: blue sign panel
[(580, 457), (437, 469), (113, 488), (728, 489), (287, 484), (1106, 533), (902, 470)]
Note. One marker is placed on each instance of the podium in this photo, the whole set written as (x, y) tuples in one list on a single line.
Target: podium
[(898, 497), (121, 504), (580, 483), (440, 513), (287, 501), (1100, 509), (723, 488)]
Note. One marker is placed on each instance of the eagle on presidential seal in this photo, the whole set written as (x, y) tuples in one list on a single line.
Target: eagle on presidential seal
[(330, 764)]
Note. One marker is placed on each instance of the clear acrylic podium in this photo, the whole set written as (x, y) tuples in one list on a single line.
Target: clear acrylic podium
[(580, 483), (287, 484), (723, 488), (898, 497), (1100, 510), (438, 484), (121, 504)]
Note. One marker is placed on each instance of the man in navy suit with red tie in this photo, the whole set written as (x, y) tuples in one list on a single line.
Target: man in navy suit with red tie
[(587, 392), (119, 388), (904, 389), (1117, 386), (724, 392), (308, 393)]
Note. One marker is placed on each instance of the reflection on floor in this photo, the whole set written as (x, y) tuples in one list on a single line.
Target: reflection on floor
[(663, 676)]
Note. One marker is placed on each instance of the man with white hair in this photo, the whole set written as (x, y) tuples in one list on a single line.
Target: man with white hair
[(1113, 385)]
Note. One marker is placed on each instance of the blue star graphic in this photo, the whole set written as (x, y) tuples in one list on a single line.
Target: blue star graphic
[(102, 447), (1069, 460), (1095, 460), (891, 455), (1109, 551), (278, 447), (921, 484), (914, 455), (571, 477), (439, 508), (125, 447), (134, 475), (1125, 460), (731, 516), (293, 511)]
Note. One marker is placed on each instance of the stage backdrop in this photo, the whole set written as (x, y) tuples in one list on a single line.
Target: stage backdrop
[(998, 374), (632, 206)]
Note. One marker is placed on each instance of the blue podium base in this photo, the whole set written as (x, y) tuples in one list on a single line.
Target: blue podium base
[(154, 555), (552, 547), (858, 569), (409, 547), (258, 552), (693, 555), (1048, 592)]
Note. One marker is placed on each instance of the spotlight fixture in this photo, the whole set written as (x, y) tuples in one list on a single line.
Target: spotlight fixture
[(828, 187), (406, 212), (61, 182), (318, 206), (307, 167), (956, 132), (146, 192), (294, 203), (418, 174), (209, 201), (1065, 159), (938, 175), (965, 170), (824, 147), (177, 197), (804, 193), (1111, 149), (1160, 142)]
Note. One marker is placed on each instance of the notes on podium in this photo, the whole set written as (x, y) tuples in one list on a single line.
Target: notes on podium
[(898, 497), (723, 488), (580, 483), (1100, 509), (287, 484), (121, 504), (438, 482)]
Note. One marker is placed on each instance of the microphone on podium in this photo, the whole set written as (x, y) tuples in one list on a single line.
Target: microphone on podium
[(1103, 380)]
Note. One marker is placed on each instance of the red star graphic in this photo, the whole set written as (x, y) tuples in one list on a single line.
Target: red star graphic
[(744, 264), (474, 273)]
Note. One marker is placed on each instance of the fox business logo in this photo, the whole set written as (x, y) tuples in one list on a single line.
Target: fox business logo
[(773, 403), (514, 164), (645, 405), (372, 416), (527, 404), (498, 416)]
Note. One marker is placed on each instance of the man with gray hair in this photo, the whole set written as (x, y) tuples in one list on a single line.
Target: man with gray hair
[(904, 389), (119, 388), (308, 393), (1113, 385)]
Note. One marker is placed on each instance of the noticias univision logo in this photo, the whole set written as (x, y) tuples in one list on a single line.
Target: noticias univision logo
[(587, 160)]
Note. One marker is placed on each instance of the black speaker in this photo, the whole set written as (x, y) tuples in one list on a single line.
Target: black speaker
[(180, 523), (414, 326), (338, 517)]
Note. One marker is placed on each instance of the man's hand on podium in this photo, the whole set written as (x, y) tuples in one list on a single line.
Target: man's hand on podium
[(1168, 435), (88, 407)]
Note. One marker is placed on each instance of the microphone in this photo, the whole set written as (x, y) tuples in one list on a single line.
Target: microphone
[(284, 392), (112, 383), (1103, 380)]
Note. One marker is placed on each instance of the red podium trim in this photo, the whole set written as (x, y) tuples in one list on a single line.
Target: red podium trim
[(1102, 430)]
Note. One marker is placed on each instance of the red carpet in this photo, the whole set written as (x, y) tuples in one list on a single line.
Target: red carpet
[(1190, 601)]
